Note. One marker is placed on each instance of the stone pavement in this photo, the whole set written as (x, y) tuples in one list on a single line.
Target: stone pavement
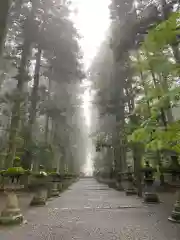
[(91, 211)]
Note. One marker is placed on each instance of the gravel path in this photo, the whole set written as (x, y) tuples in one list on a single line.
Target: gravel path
[(91, 211)]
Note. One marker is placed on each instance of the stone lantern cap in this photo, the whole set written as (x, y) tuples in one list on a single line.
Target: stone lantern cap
[(41, 172), (148, 168), (54, 175), (15, 170), (172, 168)]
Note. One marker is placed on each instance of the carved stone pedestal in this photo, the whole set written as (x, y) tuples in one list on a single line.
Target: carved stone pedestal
[(175, 215), (40, 197), (65, 183), (131, 189), (130, 192), (12, 213), (150, 196), (119, 186), (112, 183), (60, 186), (40, 187), (130, 185), (55, 190)]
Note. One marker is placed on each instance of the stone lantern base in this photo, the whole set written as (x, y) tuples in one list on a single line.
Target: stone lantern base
[(55, 190), (131, 191), (11, 214), (175, 215), (60, 186), (119, 186), (151, 197), (65, 184), (40, 197), (49, 187), (111, 183)]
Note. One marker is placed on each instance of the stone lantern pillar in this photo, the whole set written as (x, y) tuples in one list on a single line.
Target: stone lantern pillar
[(150, 195), (11, 214), (40, 187), (130, 189)]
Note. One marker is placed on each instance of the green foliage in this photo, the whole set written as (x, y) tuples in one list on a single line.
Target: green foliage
[(14, 171), (149, 77), (164, 34), (139, 135), (159, 88)]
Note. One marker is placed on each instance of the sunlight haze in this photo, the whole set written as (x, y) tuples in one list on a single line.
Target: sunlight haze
[(92, 21)]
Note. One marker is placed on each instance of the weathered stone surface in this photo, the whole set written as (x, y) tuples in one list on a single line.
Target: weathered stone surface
[(40, 197), (55, 190), (11, 213)]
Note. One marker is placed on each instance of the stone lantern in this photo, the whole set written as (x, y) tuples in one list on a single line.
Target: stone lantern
[(130, 189), (175, 215), (74, 177), (60, 184), (11, 214), (67, 180), (54, 179), (174, 169), (119, 186), (111, 178), (40, 187), (150, 196)]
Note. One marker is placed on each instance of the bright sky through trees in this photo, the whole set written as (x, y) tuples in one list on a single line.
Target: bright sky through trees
[(92, 21)]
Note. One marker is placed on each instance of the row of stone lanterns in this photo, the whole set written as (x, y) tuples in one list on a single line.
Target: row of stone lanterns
[(150, 195), (44, 186)]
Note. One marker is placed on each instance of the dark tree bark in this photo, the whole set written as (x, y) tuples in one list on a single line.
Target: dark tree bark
[(33, 110), (16, 111), (4, 9), (21, 77), (118, 95)]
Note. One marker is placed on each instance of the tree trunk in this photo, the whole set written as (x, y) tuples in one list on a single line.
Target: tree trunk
[(55, 159), (137, 150), (47, 128), (168, 110), (47, 116), (4, 8), (62, 161), (32, 117), (34, 95), (137, 156), (120, 152), (16, 111)]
